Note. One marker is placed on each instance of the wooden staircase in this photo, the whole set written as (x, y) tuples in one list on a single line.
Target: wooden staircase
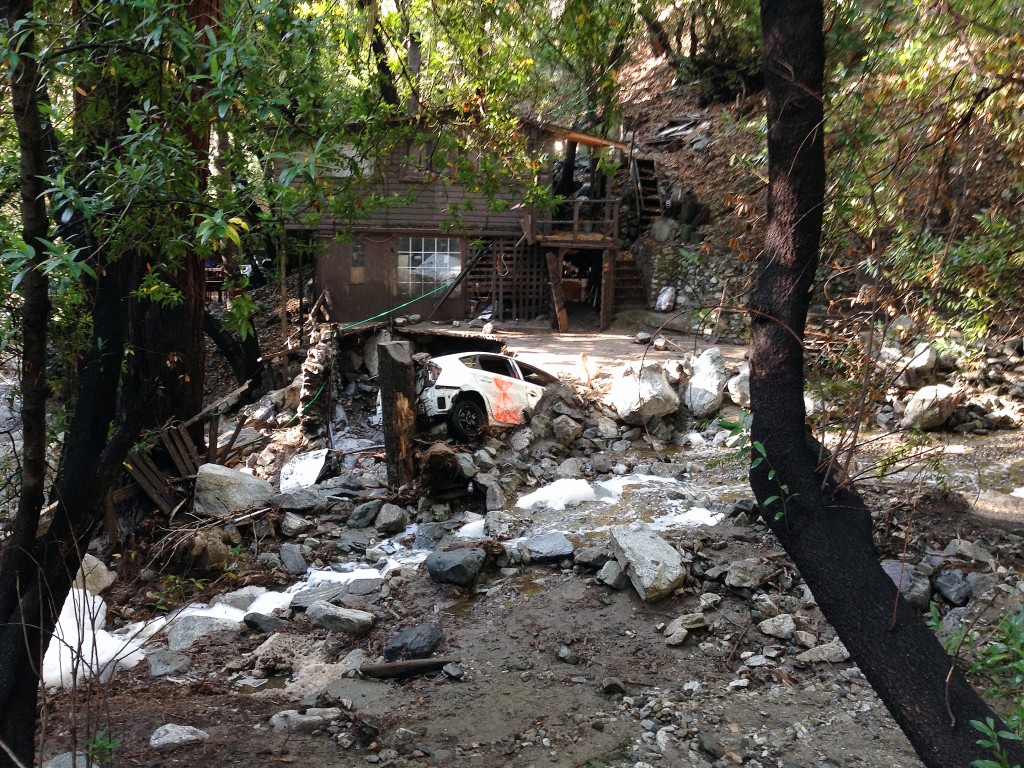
[(648, 198), (629, 288)]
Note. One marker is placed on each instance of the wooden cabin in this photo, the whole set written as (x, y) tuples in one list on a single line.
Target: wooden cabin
[(441, 251)]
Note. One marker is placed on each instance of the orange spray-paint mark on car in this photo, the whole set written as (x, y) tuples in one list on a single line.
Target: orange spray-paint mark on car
[(505, 409)]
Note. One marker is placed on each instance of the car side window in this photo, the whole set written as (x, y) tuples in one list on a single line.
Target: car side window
[(499, 365)]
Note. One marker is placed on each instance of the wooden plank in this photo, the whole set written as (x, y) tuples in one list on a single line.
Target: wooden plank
[(398, 401), (187, 450), (211, 442), (217, 405), (174, 451), (405, 668), (142, 472), (559, 315), (607, 287), (234, 436)]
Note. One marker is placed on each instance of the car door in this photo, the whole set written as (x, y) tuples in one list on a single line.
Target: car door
[(506, 393)]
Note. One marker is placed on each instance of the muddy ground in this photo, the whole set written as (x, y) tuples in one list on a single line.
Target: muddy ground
[(557, 669)]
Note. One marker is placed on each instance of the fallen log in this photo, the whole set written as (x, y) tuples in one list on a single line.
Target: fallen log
[(406, 668)]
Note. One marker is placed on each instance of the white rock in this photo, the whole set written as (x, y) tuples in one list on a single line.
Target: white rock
[(832, 653), (781, 626), (94, 576), (930, 407), (638, 394), (347, 620), (652, 564), (173, 735), (703, 396)]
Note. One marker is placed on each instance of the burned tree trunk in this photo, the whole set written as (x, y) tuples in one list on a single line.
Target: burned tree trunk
[(823, 525), (398, 402)]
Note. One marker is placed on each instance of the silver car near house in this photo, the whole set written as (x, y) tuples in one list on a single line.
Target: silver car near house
[(475, 389)]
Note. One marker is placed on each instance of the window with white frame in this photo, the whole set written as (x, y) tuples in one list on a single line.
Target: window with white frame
[(427, 263)]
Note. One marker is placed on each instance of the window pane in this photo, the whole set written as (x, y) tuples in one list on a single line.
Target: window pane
[(426, 264)]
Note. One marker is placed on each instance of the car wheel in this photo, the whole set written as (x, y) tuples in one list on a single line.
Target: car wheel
[(466, 419)]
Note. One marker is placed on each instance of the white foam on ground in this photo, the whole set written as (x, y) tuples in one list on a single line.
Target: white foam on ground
[(81, 648), (1018, 492), (559, 495), (316, 577), (691, 517), (269, 602), (472, 530)]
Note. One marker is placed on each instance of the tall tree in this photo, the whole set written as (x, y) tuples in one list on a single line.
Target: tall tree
[(819, 519)]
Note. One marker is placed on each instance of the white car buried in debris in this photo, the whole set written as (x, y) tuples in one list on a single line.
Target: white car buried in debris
[(474, 389)]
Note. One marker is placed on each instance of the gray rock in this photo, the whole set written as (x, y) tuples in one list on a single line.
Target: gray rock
[(293, 525), (640, 393), (167, 663), (220, 492), (566, 430), (186, 630), (687, 621), (919, 369), (455, 566), (930, 407), (781, 626), (549, 546), (968, 550), (391, 519), (348, 620), (653, 566), (832, 653), (568, 655), (591, 557), (495, 494), (643, 337), (269, 560), (239, 598), (263, 623), (365, 585), (365, 514), (746, 574), (666, 300), (299, 500), (304, 722), (292, 559), (467, 467), (612, 575), (172, 735), (321, 592), (915, 588), (68, 760), (704, 392), (952, 585), (569, 469), (414, 643)]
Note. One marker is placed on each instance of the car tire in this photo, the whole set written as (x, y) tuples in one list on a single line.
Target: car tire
[(466, 419)]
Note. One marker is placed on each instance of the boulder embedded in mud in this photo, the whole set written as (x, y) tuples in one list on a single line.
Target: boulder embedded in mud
[(548, 546), (703, 395), (186, 630), (335, 619), (174, 735), (565, 430), (652, 564), (915, 588), (612, 575), (365, 514), (221, 492), (456, 566), (391, 519), (930, 407), (414, 643), (639, 393)]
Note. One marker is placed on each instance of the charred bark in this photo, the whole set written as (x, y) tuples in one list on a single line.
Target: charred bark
[(398, 403), (243, 355), (824, 526)]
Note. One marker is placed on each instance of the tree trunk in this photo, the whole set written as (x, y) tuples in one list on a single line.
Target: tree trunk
[(823, 526), (243, 355), (398, 403)]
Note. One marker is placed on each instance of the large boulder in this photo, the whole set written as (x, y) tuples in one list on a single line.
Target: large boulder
[(221, 492), (739, 387), (456, 566), (652, 564), (640, 393), (930, 407), (703, 395)]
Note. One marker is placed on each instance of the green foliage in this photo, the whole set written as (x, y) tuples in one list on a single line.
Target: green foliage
[(100, 747)]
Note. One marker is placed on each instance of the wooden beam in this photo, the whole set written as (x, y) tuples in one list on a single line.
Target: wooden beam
[(559, 314), (398, 402), (407, 668)]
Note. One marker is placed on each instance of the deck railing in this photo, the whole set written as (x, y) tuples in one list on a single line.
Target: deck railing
[(583, 220)]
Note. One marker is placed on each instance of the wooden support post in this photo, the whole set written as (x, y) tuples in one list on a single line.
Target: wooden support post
[(607, 287), (398, 401), (561, 317)]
